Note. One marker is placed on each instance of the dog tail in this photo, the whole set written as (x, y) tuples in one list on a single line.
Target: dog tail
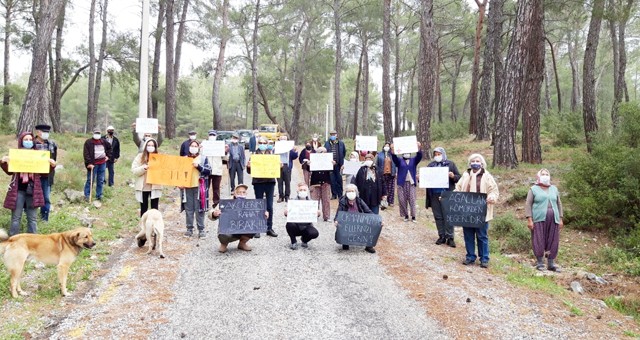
[(3, 235)]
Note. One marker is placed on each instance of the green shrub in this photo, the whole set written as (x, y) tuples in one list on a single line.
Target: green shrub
[(565, 128), (518, 194), (511, 234), (449, 130), (619, 259)]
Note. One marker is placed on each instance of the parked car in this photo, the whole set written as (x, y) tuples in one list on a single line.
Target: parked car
[(245, 135), (225, 136), (270, 131)]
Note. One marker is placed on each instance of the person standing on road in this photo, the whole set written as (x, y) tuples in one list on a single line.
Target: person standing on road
[(445, 233), (286, 164), (146, 194), (544, 218), (339, 151), (305, 157), (353, 157), (184, 147), (306, 231), (195, 200), (369, 183), (96, 152), (351, 202), (315, 142), (236, 161), (321, 187), (407, 181), (115, 152), (389, 170), (215, 178), (478, 179), (253, 141), (44, 143), (264, 187)]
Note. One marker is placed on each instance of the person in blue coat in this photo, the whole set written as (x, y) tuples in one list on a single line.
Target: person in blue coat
[(339, 151), (406, 182)]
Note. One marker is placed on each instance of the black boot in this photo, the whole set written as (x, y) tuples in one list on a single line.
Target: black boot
[(451, 243), (441, 240)]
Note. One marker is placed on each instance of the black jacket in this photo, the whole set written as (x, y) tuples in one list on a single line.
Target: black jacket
[(88, 151), (452, 181), (343, 205), (370, 192), (115, 148)]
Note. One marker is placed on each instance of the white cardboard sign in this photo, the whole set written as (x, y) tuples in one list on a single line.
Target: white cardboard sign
[(302, 211), (283, 146), (402, 145), (146, 125), (321, 161), (366, 143), (213, 148), (351, 167), (434, 177)]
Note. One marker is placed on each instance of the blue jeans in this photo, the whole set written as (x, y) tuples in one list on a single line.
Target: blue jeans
[(336, 182), (98, 180), (266, 189), (46, 192), (111, 173), (375, 210), (24, 203), (481, 235)]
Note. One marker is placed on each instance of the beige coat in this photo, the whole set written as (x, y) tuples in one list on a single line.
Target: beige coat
[(137, 168), (487, 186), (216, 165)]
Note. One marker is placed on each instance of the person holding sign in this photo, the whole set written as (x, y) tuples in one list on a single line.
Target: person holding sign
[(195, 199), (389, 170), (407, 182), (25, 190), (369, 183), (321, 186), (445, 232), (96, 152), (239, 193), (305, 157), (215, 178), (236, 161), (478, 179), (264, 187), (140, 143), (353, 157), (286, 164), (339, 151), (147, 194), (544, 218), (43, 142), (351, 202), (306, 231)]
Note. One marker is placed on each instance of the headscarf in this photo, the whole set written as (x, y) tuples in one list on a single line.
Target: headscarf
[(354, 154), (538, 178), (441, 150)]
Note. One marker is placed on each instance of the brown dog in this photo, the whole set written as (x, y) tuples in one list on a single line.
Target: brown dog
[(152, 230), (60, 249)]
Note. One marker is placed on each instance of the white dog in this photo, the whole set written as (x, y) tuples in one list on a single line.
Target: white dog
[(152, 230)]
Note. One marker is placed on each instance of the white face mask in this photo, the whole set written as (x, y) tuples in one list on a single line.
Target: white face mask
[(407, 155), (386, 149), (368, 163), (96, 136), (193, 150), (192, 137), (351, 195), (234, 141), (151, 149), (437, 159), (303, 194), (212, 138), (353, 159), (45, 135), (545, 179)]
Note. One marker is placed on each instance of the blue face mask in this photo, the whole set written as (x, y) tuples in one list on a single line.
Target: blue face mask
[(269, 147), (262, 147), (476, 166), (333, 137), (27, 144)]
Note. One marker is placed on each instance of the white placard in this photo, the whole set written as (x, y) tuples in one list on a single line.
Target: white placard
[(321, 161), (212, 148), (366, 143), (351, 167), (283, 146), (434, 177), (146, 125), (302, 211), (402, 145)]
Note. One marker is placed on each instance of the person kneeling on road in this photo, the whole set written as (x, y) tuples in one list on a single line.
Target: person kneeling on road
[(306, 230), (351, 202), (239, 193)]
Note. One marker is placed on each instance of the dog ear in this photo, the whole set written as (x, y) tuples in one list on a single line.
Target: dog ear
[(75, 238)]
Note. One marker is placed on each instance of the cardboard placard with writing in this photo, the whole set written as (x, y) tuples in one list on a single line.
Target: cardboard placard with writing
[(242, 216), (170, 170), (302, 211), (212, 148), (146, 125), (366, 143), (27, 160), (434, 177), (321, 161), (402, 145), (265, 166), (357, 229), (283, 146), (351, 167), (464, 209)]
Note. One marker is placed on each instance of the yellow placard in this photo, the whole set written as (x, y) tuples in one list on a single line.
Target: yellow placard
[(170, 170), (265, 166), (27, 160)]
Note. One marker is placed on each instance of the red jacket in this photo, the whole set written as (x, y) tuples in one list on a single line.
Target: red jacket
[(12, 194)]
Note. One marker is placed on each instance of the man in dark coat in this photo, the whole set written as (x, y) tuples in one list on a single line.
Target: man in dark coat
[(96, 152), (337, 148), (184, 148), (43, 142), (115, 152)]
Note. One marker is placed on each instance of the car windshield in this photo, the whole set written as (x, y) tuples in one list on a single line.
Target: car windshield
[(223, 136), (268, 128), (245, 133)]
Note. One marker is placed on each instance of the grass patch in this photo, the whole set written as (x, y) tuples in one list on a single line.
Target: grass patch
[(618, 259), (573, 309), (625, 306), (518, 195), (512, 234), (525, 277), (631, 334)]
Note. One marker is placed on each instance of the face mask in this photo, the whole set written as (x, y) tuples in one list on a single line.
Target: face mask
[(437, 159), (407, 155), (234, 141), (545, 179), (45, 135), (151, 149), (303, 194), (353, 159), (269, 147), (386, 149), (27, 144), (476, 166), (192, 137), (193, 150), (308, 147), (262, 147), (333, 137), (351, 195), (368, 163), (241, 197), (315, 139), (110, 133), (96, 136)]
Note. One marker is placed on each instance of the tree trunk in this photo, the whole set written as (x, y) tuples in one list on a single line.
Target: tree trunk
[(219, 70), (475, 73), (265, 104), (365, 86), (617, 94), (531, 150), (555, 73), (588, 72), (427, 72), (338, 67), (386, 53), (6, 97), (620, 51), (103, 47), (56, 90), (170, 84), (299, 83), (36, 97), (155, 72), (396, 83), (575, 82), (254, 67), (91, 86), (179, 39), (454, 87), (411, 93), (357, 97), (437, 85)]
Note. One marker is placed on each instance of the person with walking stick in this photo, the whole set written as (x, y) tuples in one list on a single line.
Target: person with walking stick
[(97, 151)]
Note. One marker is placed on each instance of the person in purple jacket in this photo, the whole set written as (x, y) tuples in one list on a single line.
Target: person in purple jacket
[(406, 180)]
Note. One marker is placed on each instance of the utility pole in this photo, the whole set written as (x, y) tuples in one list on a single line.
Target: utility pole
[(143, 97)]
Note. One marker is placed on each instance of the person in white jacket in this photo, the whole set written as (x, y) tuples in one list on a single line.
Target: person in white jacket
[(216, 172), (146, 194)]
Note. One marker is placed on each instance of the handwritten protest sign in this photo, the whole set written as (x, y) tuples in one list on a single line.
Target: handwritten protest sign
[(321, 161), (351, 167), (146, 125), (434, 177), (402, 145), (466, 209), (283, 146), (366, 143), (358, 229), (212, 148), (170, 170), (242, 217), (265, 166), (26, 160), (302, 211)]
